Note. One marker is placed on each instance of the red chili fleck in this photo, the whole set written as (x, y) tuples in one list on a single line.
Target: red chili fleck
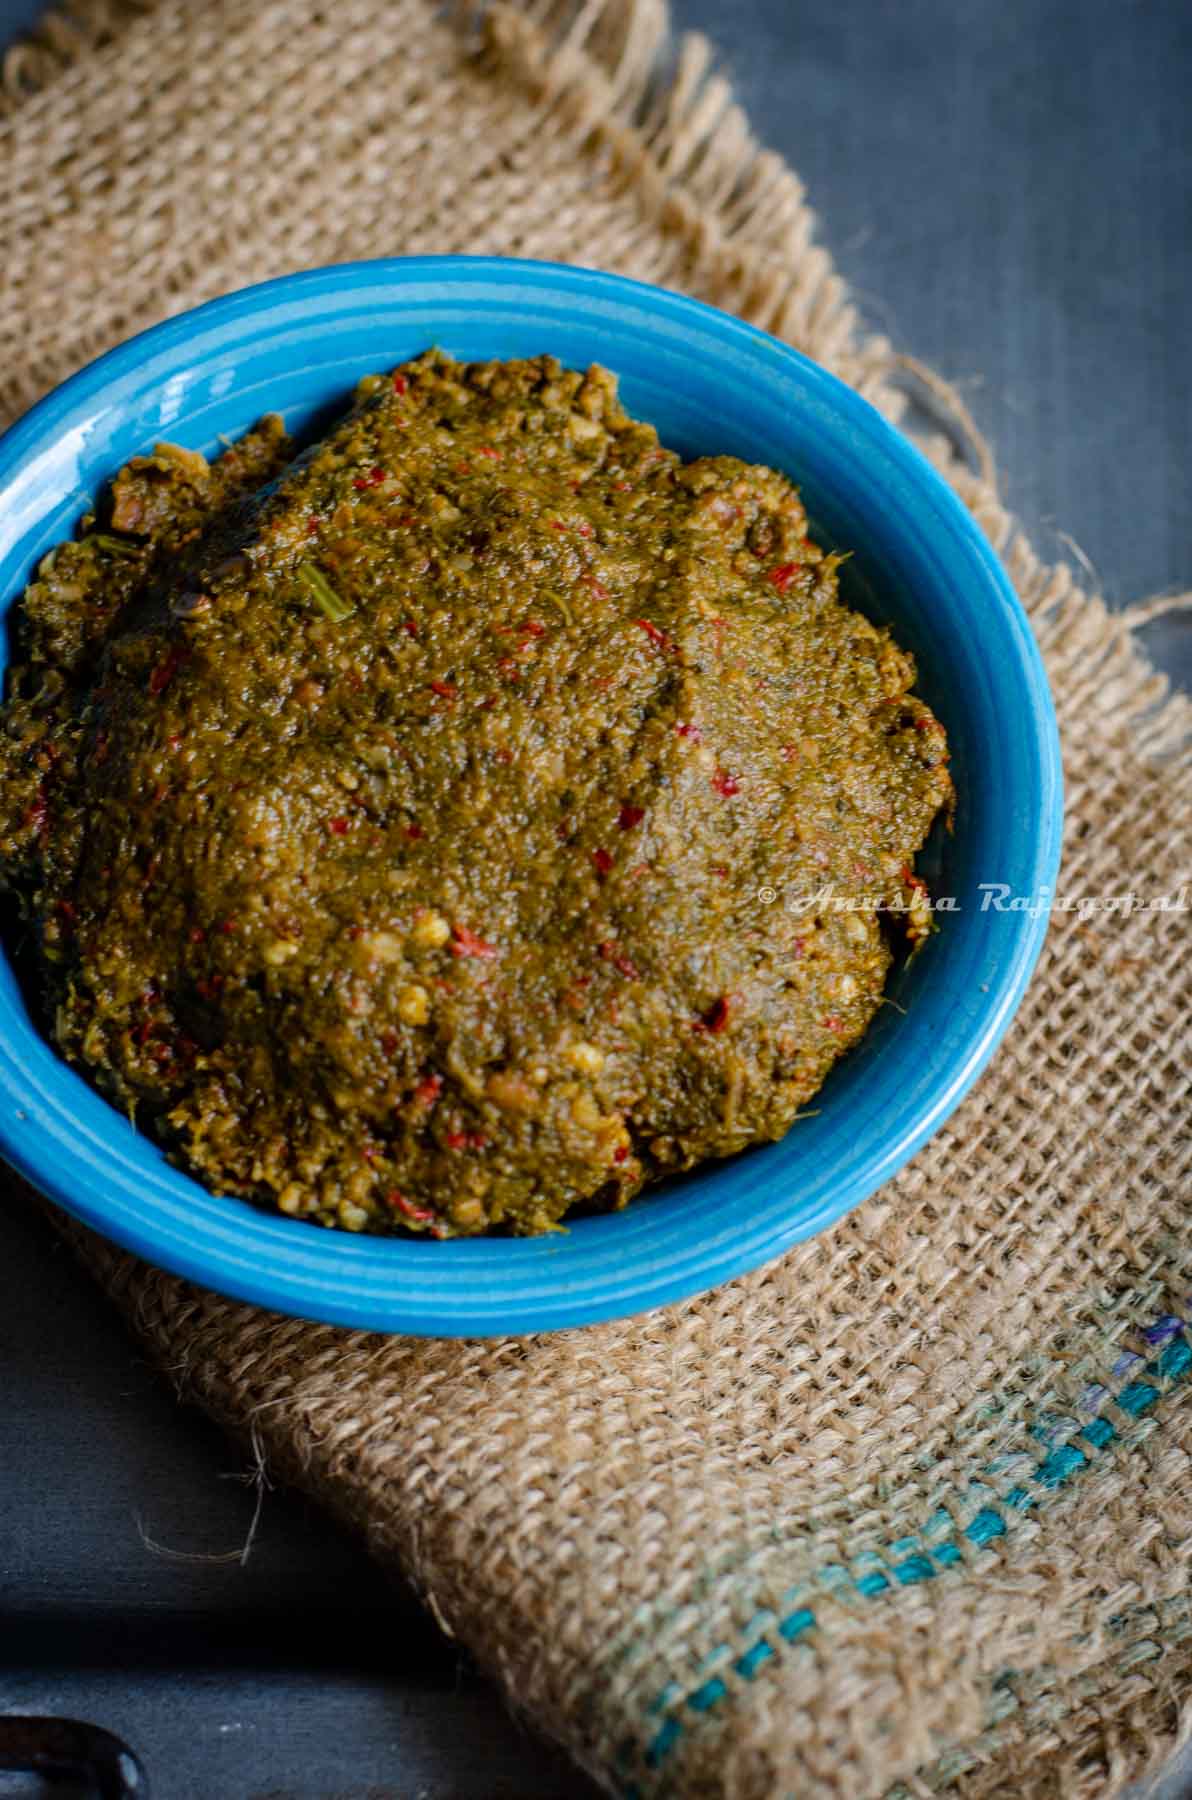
[(197, 935), (693, 732), (409, 627), (602, 859), (312, 528), (373, 479), (445, 689), (503, 755), (584, 530), (535, 627), (174, 742), (790, 752), (400, 1204), (428, 1090), (400, 384), (726, 784), (798, 947), (621, 963), (629, 816), (389, 1043), (656, 634), (716, 1017), (620, 1153), (68, 910), (558, 525), (509, 668), (35, 815), (465, 1140), (228, 927), (719, 869), (487, 450), (833, 1023), (339, 825), (168, 667), (622, 487), (413, 831), (597, 587), (468, 944), (783, 575)]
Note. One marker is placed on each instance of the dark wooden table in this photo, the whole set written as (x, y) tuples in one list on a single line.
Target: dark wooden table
[(1008, 184)]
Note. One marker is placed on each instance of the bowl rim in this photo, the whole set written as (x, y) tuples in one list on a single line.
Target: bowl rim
[(457, 1302)]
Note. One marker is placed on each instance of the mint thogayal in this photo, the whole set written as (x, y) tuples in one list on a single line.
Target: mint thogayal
[(409, 829)]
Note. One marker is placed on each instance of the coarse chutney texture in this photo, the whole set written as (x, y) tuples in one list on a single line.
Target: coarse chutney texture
[(397, 822)]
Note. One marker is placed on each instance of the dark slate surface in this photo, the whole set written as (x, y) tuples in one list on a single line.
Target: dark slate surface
[(1008, 185)]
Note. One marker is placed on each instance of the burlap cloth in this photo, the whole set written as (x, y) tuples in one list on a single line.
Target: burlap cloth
[(910, 1510)]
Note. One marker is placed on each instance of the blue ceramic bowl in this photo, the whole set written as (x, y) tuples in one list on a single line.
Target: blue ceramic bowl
[(710, 384)]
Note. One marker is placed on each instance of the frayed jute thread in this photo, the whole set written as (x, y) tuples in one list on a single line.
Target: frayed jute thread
[(65, 35), (910, 1510)]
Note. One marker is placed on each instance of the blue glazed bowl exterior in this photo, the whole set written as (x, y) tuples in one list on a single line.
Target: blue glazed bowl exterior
[(710, 384)]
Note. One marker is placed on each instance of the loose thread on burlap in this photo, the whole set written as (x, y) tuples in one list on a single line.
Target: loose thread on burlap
[(916, 1563), (64, 35)]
